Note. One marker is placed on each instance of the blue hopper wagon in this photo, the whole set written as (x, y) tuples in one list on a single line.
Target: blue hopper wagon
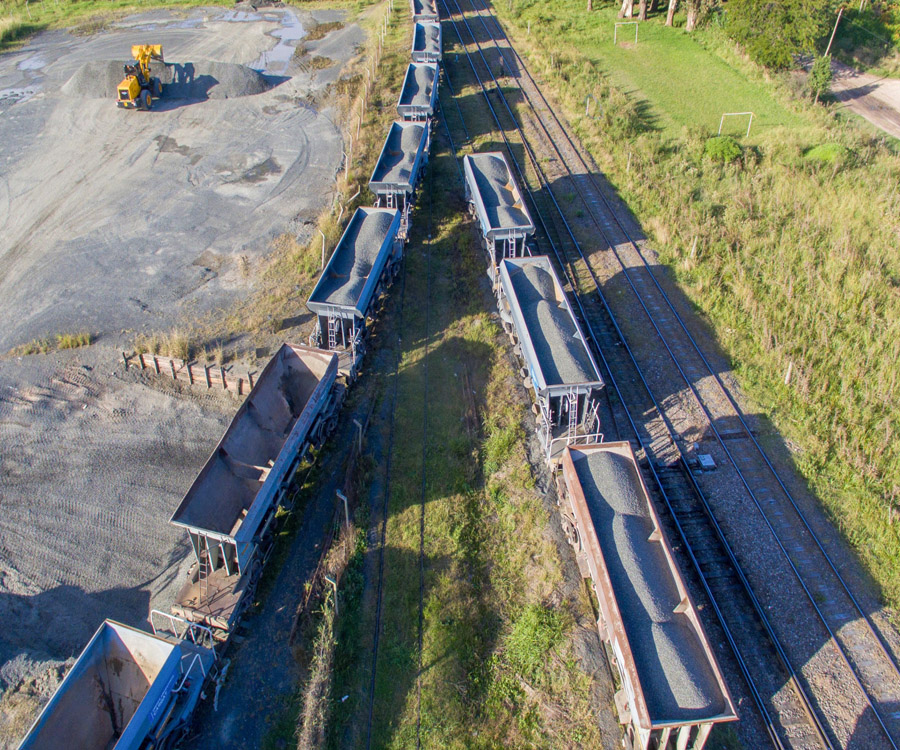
[(365, 260), (128, 690), (397, 171), (229, 511), (558, 364), (427, 43), (418, 97), (424, 10)]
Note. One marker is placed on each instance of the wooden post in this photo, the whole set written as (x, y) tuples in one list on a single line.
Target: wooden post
[(190, 374), (206, 373), (156, 364), (141, 360), (250, 378), (224, 384), (240, 386), (126, 360), (172, 365)]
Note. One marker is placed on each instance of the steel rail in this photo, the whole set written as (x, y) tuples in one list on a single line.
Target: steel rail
[(775, 643)]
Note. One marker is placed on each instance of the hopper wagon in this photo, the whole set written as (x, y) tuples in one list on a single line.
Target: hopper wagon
[(557, 362), (365, 260), (427, 42), (418, 97), (497, 204), (672, 690), (424, 10), (399, 165), (127, 690), (229, 512)]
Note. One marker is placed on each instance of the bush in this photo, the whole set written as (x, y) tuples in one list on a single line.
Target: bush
[(722, 148), (828, 153)]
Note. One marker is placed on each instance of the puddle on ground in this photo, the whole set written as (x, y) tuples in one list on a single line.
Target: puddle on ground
[(35, 62), (8, 97), (275, 61), (261, 171), (169, 145)]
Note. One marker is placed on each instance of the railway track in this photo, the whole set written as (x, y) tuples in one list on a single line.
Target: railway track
[(860, 643), (800, 724)]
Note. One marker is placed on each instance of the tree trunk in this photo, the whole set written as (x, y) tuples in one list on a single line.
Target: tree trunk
[(653, 6), (590, 5), (693, 14), (670, 16), (642, 13), (627, 9)]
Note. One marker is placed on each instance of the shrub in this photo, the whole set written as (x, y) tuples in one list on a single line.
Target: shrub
[(722, 148), (828, 153)]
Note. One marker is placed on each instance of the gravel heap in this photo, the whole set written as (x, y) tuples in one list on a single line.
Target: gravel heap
[(399, 154), (417, 86), (677, 679), (98, 79), (498, 192), (228, 483), (561, 353), (427, 38), (353, 259)]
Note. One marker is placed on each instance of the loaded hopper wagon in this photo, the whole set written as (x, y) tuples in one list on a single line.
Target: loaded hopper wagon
[(128, 689), (365, 260), (427, 43), (672, 689), (229, 511), (418, 96), (399, 165), (424, 10), (558, 364), (497, 203)]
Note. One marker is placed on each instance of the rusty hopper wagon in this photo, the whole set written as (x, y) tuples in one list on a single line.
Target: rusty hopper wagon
[(366, 258), (127, 690), (418, 96), (672, 689), (424, 10), (229, 511), (497, 203), (427, 44), (397, 170), (558, 364)]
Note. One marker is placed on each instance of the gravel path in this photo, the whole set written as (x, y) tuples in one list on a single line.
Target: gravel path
[(873, 97)]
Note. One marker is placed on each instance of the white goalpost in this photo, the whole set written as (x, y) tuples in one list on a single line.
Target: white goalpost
[(625, 23), (736, 114)]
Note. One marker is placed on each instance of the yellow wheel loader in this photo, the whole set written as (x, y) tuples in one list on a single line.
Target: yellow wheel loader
[(138, 89)]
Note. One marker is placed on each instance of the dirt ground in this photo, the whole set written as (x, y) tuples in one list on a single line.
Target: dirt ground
[(118, 223), (875, 98)]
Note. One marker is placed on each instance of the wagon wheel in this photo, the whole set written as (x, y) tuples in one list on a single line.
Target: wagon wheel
[(570, 530)]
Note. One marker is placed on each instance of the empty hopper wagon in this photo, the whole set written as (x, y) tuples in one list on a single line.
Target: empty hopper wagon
[(558, 364), (127, 690), (427, 43), (424, 10), (672, 691), (365, 260), (399, 165), (418, 97), (495, 200), (229, 511)]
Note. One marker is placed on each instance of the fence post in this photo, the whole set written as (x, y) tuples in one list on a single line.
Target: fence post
[(333, 582), (206, 374), (222, 372), (156, 364)]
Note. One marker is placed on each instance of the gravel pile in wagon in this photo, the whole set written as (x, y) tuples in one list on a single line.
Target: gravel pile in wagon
[(497, 193)]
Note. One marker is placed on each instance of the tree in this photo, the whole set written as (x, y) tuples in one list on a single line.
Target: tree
[(642, 13), (627, 9), (773, 31), (820, 76), (670, 16), (590, 5)]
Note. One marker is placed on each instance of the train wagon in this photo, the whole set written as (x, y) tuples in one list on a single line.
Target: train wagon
[(496, 202), (672, 690), (558, 364), (399, 165), (365, 260), (424, 10), (418, 97), (427, 43), (128, 689), (229, 511)]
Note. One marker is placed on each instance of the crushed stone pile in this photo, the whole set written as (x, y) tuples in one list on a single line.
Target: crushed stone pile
[(560, 351), (427, 38), (399, 155), (676, 677), (98, 79), (417, 86), (498, 192), (426, 7), (356, 254)]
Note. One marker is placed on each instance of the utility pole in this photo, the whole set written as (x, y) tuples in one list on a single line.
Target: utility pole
[(834, 30)]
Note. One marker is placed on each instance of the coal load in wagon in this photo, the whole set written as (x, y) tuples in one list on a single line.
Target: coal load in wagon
[(676, 677), (557, 344)]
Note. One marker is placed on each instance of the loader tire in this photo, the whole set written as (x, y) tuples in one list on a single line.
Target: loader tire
[(144, 101)]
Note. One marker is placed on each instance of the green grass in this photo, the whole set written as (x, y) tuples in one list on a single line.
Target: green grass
[(662, 72), (796, 258), (60, 341)]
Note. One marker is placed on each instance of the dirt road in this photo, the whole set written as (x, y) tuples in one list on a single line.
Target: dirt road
[(877, 99)]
